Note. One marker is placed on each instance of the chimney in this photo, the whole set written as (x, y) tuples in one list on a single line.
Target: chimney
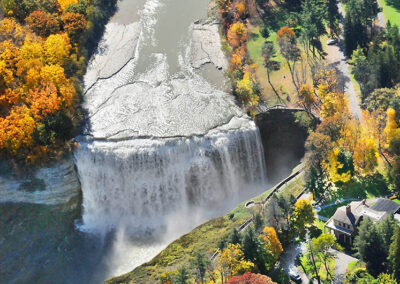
[(348, 209), (363, 202)]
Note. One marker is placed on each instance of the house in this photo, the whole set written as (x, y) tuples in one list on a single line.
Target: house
[(343, 224)]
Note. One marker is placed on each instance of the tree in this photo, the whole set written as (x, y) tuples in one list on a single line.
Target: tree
[(368, 245), (231, 262), (65, 3), (333, 17), (272, 242), (394, 254), (341, 167), (237, 34), (42, 23), (287, 42), (200, 263), (252, 278), (74, 25), (366, 155), (182, 276), (307, 97), (384, 278), (313, 14), (234, 237), (271, 64), (254, 250), (304, 216), (323, 246)]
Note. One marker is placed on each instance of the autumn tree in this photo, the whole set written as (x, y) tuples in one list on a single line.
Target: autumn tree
[(252, 278), (272, 242), (231, 262), (304, 216), (43, 23), (366, 155), (74, 24), (63, 4), (237, 34)]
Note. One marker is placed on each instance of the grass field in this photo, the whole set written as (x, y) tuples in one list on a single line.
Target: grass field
[(390, 11), (280, 79), (309, 269)]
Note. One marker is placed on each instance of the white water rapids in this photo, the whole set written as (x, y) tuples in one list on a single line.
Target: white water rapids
[(164, 149)]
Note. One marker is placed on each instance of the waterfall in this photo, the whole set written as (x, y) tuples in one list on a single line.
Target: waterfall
[(137, 183), (164, 148)]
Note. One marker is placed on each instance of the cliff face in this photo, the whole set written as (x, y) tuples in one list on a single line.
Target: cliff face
[(283, 136), (55, 184)]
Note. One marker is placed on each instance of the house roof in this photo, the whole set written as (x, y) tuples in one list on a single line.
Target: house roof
[(385, 205), (359, 209)]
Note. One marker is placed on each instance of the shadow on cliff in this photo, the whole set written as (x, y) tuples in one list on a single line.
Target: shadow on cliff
[(283, 134)]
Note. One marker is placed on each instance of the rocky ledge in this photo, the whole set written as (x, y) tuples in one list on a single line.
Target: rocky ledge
[(54, 184)]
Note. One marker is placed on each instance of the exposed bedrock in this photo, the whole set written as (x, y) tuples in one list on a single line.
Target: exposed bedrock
[(54, 184)]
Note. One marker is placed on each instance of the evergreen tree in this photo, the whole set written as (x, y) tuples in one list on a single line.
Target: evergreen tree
[(182, 277), (200, 263), (369, 247), (234, 237), (254, 251), (394, 254)]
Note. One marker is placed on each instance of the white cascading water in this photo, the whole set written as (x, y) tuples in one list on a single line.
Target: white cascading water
[(161, 140)]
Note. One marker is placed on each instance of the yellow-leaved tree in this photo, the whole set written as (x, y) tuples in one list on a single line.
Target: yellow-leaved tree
[(231, 262), (366, 156), (65, 3), (272, 242)]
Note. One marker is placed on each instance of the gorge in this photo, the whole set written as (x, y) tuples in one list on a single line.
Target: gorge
[(165, 147)]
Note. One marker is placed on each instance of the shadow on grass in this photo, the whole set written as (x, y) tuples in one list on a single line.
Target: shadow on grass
[(393, 3), (368, 187)]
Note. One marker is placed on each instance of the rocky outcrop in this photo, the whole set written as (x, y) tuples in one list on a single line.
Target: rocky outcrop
[(206, 45), (51, 185)]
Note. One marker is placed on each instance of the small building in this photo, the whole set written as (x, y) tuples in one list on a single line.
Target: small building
[(343, 224)]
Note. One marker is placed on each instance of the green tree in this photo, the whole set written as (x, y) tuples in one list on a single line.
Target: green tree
[(199, 263), (254, 251), (369, 247), (394, 254), (182, 277), (323, 246), (271, 64)]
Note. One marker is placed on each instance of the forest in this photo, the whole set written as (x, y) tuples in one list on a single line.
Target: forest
[(44, 48)]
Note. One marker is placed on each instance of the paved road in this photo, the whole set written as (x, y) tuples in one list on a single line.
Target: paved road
[(336, 58), (381, 18), (288, 259), (342, 261)]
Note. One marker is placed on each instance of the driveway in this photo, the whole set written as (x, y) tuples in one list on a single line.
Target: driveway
[(341, 263), (288, 260), (336, 58)]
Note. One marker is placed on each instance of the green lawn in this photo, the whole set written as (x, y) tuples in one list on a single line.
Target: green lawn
[(365, 188), (390, 11), (329, 211), (309, 269), (397, 200)]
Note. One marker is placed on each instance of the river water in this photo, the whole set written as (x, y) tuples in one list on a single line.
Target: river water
[(165, 147)]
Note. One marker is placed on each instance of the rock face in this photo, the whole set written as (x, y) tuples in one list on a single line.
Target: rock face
[(52, 185), (206, 45)]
